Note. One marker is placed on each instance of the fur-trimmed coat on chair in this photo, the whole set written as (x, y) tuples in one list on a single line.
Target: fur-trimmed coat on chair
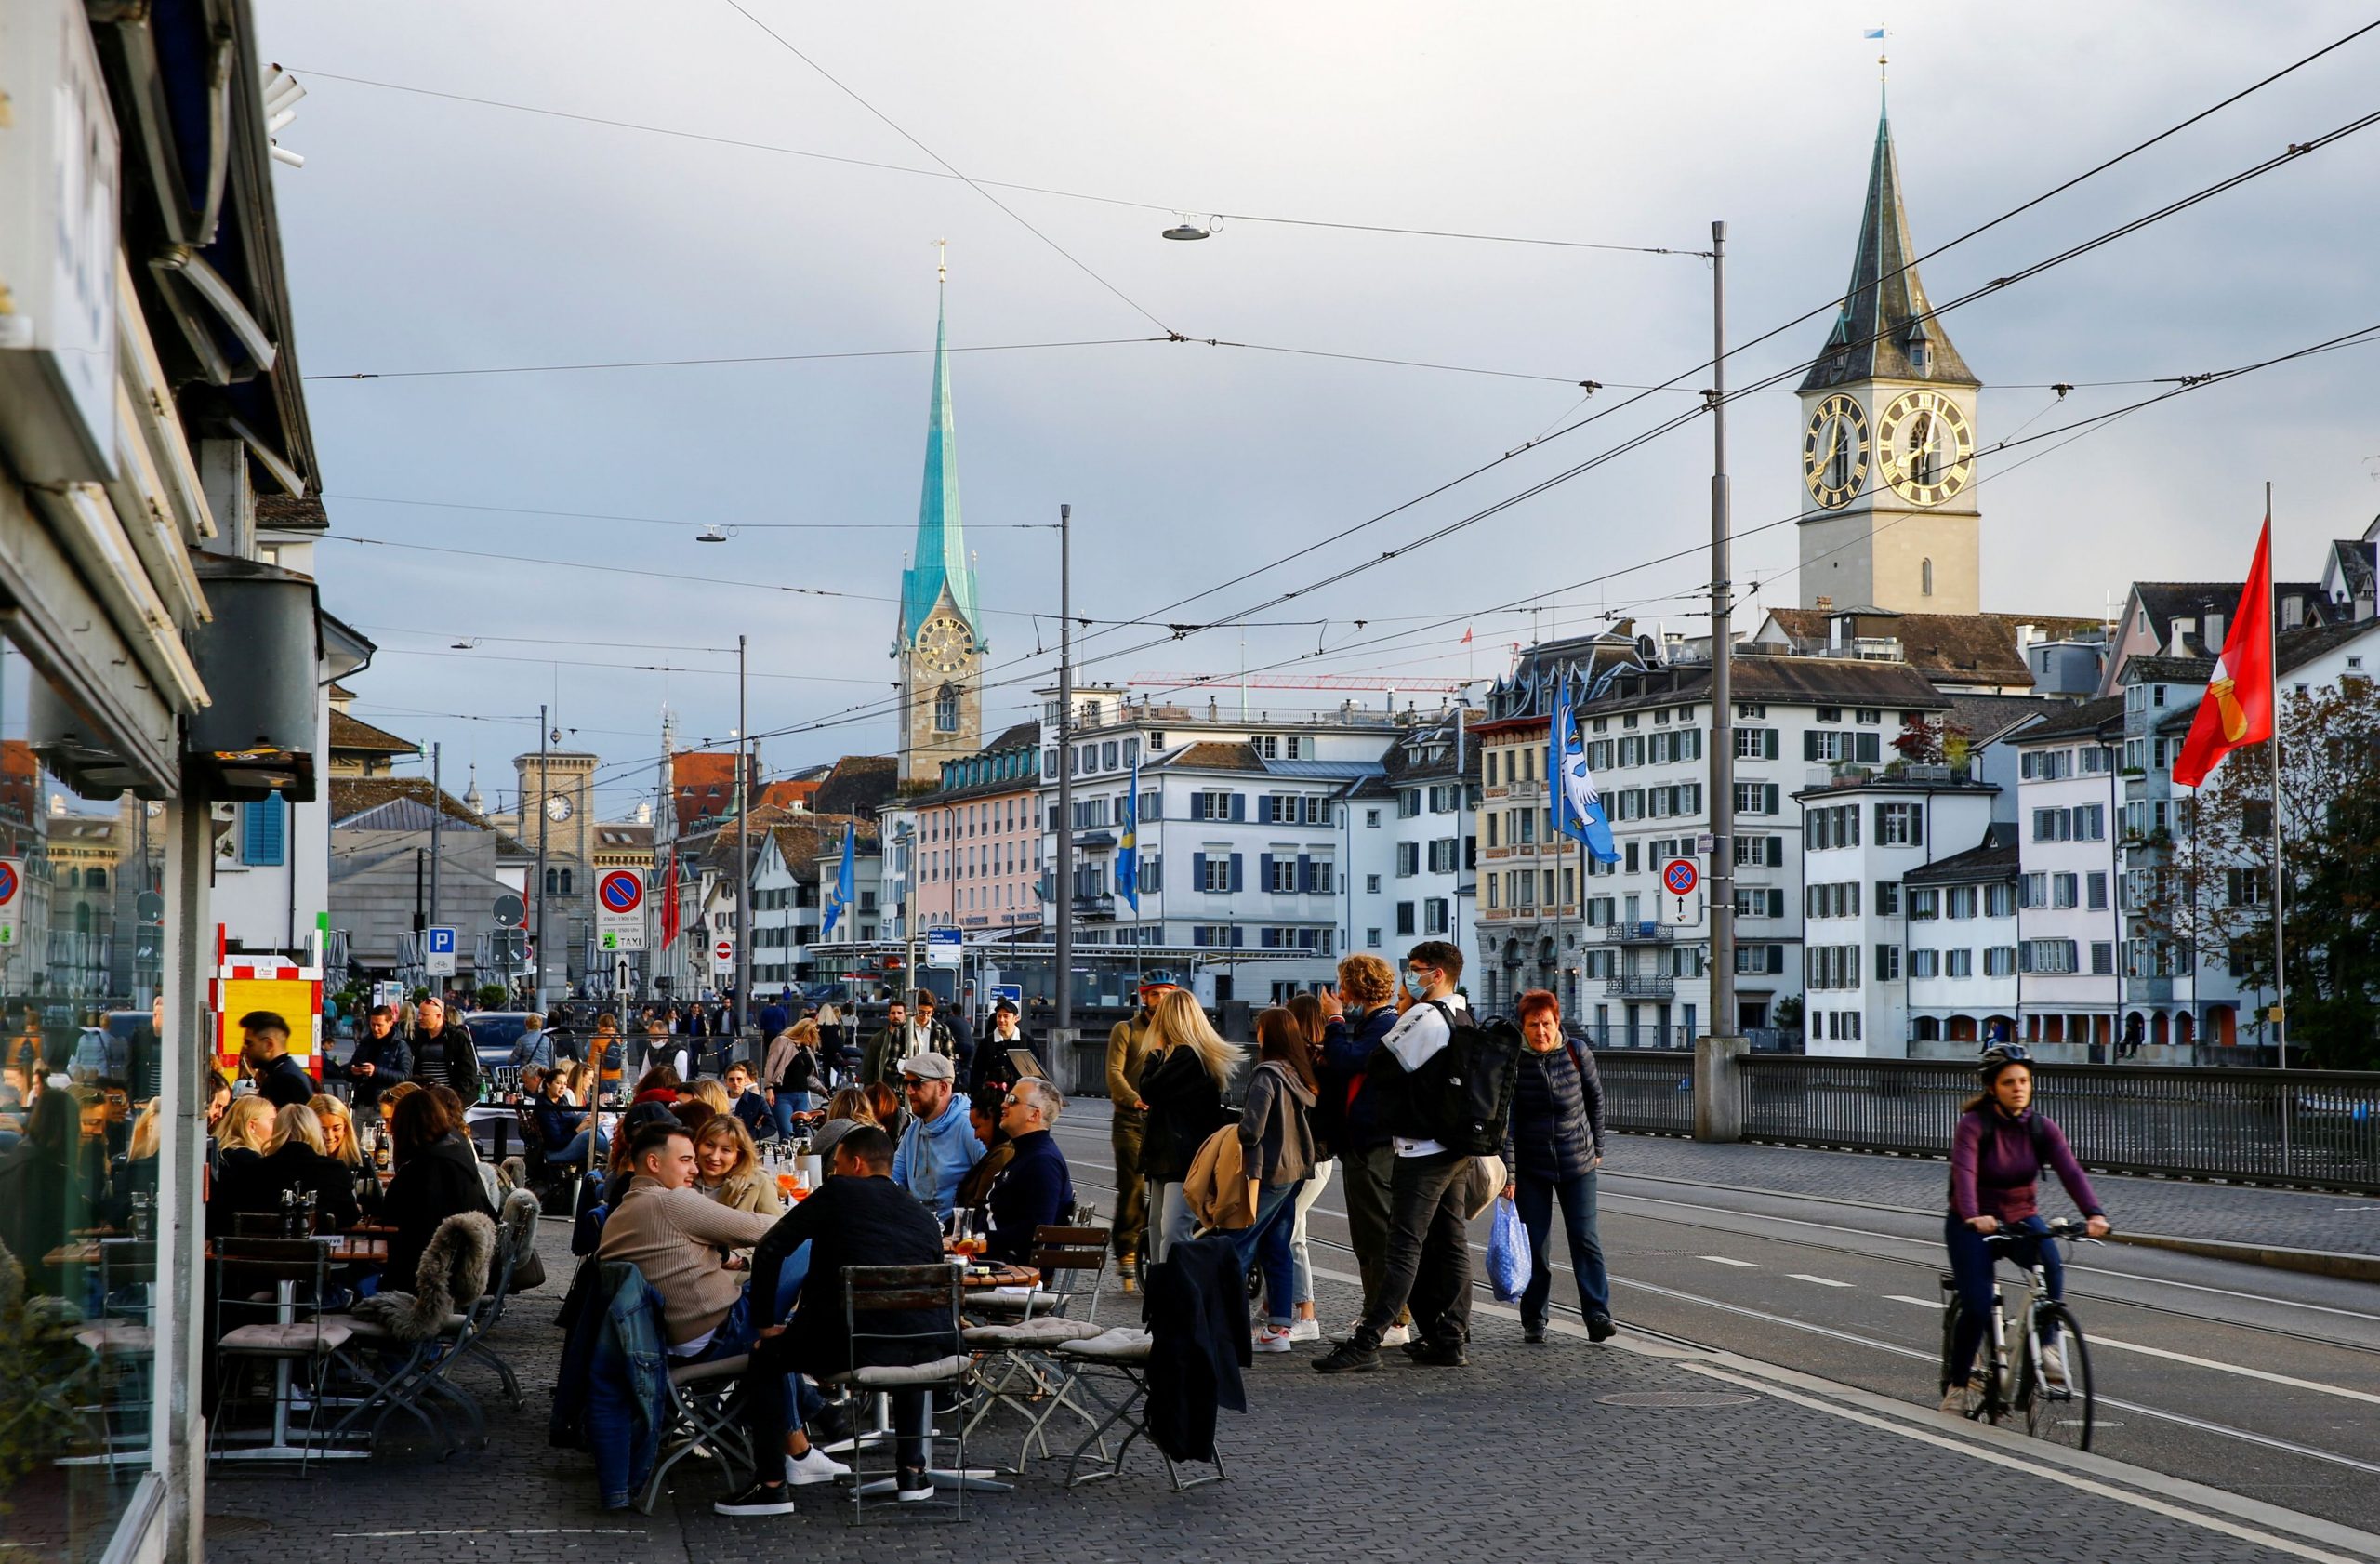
[(453, 1276)]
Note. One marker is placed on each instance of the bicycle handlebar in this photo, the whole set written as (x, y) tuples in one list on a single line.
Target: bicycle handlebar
[(2059, 1227)]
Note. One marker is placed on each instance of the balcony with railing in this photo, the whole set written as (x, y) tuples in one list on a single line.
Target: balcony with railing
[(1640, 985), (1639, 933)]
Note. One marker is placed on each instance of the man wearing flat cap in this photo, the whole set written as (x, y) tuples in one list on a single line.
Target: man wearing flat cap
[(939, 1144)]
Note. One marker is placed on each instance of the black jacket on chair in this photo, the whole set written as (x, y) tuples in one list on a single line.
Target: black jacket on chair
[(1197, 1320)]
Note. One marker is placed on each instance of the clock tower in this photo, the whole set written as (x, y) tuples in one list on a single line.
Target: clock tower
[(1888, 434), (940, 644)]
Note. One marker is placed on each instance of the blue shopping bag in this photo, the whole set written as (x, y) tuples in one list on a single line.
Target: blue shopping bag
[(1508, 1254)]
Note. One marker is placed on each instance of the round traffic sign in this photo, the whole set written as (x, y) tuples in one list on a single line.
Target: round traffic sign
[(149, 906), (510, 911), (723, 952), (9, 883), (620, 891), (1679, 877)]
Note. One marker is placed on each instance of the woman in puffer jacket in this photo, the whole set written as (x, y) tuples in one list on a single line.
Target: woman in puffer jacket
[(1554, 1147)]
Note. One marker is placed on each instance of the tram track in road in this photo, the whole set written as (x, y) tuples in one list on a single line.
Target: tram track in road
[(1775, 1320)]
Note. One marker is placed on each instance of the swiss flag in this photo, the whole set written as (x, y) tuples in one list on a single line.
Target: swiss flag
[(2238, 707), (669, 903)]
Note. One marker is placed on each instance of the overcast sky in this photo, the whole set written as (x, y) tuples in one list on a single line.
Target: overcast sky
[(425, 234)]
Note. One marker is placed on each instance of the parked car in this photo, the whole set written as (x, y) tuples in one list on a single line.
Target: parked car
[(494, 1033)]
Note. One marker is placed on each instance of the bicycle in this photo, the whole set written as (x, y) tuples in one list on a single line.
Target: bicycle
[(2059, 1414)]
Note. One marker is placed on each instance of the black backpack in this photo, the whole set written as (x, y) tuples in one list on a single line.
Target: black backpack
[(1463, 1093)]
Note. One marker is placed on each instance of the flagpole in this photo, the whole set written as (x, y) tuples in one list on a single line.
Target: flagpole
[(2279, 917)]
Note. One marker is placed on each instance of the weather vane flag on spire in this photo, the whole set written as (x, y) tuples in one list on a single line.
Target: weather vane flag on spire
[(1579, 812), (2238, 710)]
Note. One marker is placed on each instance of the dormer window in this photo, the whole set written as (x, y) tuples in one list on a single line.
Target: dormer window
[(1921, 351)]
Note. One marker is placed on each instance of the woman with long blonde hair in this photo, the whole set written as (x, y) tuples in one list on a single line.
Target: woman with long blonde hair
[(1189, 1065), (727, 1167), (346, 1147)]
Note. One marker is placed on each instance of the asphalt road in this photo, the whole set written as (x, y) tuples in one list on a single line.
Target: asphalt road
[(2263, 1383)]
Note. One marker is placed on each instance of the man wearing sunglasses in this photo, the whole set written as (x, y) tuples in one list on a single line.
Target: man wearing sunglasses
[(1035, 1186)]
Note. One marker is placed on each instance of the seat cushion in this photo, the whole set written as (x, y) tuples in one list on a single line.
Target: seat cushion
[(298, 1339), (119, 1338), (716, 1368), (893, 1376), (1122, 1345), (1015, 1303), (364, 1328), (1048, 1330)]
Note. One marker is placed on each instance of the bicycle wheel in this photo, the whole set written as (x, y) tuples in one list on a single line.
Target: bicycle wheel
[(2060, 1414), (1973, 1402)]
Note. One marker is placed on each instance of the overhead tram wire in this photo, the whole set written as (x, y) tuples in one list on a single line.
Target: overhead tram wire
[(788, 45), (674, 521), (2076, 429), (1996, 286), (2295, 150), (869, 712), (1174, 206)]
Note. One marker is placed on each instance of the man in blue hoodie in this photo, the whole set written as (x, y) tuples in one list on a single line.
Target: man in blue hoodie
[(939, 1144)]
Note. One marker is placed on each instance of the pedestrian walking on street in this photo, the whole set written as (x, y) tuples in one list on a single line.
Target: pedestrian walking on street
[(1553, 1149), (379, 1061), (1429, 1245), (1128, 1051), (1183, 1083)]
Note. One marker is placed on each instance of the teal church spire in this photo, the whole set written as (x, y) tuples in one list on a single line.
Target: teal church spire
[(939, 560)]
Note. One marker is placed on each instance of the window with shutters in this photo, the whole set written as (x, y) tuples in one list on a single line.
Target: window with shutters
[(1900, 825), (1755, 798), (1755, 744), (1924, 963), (1408, 803), (1888, 898), (1959, 901), (1281, 876), (1434, 916), (1214, 872), (2000, 961), (1887, 963), (1958, 963), (264, 837), (1409, 859), (1405, 918), (2000, 901), (1924, 903)]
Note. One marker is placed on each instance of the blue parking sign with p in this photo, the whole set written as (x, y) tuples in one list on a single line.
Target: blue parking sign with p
[(442, 942)]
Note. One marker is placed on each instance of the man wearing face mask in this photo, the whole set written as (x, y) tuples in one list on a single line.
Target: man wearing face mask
[(1428, 1260), (1357, 1019)]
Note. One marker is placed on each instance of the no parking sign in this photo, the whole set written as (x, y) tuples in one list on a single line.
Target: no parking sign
[(12, 886), (1681, 896), (619, 909)]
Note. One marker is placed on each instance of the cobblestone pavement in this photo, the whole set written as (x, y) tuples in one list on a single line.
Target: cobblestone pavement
[(2229, 1213), (1517, 1456)]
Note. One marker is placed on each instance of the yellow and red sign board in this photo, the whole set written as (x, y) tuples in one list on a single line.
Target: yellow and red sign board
[(294, 993)]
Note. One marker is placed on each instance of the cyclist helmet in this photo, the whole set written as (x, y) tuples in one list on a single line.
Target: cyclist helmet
[(1998, 1057)]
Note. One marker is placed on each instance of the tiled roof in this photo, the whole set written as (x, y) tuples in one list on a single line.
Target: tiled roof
[(1946, 648), (284, 513), (1322, 771), (353, 796), (858, 786), (1987, 717), (1216, 756), (2082, 721), (788, 793), (621, 834), (804, 840), (702, 784), (348, 733), (1017, 735), (1996, 859)]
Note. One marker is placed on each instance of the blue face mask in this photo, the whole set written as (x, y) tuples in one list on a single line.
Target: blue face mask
[(1416, 986)]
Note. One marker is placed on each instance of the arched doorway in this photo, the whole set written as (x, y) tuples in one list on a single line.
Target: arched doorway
[(2160, 1031)]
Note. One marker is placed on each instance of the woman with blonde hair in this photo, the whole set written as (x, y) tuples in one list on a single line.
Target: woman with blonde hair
[(727, 1167), (247, 1126), (346, 1147), (1189, 1065), (851, 1103), (708, 1092), (294, 1164), (791, 1072)]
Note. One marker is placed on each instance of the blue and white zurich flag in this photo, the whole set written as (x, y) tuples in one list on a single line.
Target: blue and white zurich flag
[(1579, 812)]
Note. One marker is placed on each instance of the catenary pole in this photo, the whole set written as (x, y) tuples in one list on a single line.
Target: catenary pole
[(743, 973), (1061, 889), (1719, 884), (537, 887), (437, 815), (2279, 875)]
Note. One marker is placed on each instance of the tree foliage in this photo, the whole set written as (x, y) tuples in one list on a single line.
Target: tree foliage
[(2215, 896)]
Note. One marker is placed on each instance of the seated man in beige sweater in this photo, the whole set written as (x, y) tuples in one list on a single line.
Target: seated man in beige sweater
[(683, 1241)]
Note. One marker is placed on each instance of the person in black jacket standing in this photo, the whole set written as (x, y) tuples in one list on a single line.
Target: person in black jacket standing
[(1183, 1082), (444, 1053), (264, 1048), (379, 1061), (1554, 1146), (437, 1177)]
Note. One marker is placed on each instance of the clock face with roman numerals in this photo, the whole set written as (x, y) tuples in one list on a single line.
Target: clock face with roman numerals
[(1835, 451), (944, 645), (1925, 447)]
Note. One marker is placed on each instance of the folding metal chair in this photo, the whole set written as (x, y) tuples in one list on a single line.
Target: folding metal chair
[(1022, 1332), (705, 1419), (286, 1341), (122, 1345), (1112, 1369), (938, 1290)]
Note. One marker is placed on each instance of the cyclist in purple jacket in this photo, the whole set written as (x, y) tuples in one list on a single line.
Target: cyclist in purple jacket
[(1997, 1154)]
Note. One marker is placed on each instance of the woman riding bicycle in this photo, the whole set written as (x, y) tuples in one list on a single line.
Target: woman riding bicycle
[(1997, 1155)]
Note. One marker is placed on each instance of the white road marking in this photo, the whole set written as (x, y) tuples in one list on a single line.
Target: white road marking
[(1923, 1303), (2096, 1339), (1821, 1280), (1724, 1260)]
